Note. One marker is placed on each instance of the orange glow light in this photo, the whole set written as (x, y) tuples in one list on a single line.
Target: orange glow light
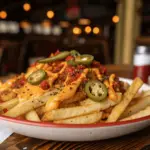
[(88, 29), (3, 14), (77, 30), (26, 6), (50, 14), (96, 30), (115, 19)]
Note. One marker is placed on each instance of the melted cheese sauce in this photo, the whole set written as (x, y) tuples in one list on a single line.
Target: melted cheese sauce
[(28, 91)]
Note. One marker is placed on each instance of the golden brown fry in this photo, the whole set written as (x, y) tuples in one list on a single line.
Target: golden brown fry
[(9, 104), (77, 97), (64, 113), (27, 106), (40, 111), (142, 113), (128, 96), (7, 95), (87, 119), (104, 104), (32, 116), (141, 104)]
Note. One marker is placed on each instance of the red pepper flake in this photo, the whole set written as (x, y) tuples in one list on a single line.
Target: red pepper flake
[(44, 85), (5, 110), (69, 58)]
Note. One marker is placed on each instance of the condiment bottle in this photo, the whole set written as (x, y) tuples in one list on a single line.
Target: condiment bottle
[(141, 63)]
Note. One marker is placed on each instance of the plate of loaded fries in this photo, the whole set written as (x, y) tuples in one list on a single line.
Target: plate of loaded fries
[(71, 97)]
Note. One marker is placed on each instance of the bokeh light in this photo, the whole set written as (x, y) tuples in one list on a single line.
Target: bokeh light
[(3, 14), (88, 29), (50, 14), (77, 30), (115, 19), (96, 30), (26, 6)]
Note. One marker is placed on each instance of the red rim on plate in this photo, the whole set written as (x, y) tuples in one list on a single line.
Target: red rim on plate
[(53, 125)]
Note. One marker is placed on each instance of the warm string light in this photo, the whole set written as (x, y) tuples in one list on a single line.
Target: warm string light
[(96, 30), (115, 19), (26, 6), (88, 29), (3, 14), (50, 14), (77, 30)]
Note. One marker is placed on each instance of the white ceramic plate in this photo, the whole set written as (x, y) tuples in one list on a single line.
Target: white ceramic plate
[(61, 132)]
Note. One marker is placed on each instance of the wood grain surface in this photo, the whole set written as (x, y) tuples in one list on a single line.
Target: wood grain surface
[(136, 141)]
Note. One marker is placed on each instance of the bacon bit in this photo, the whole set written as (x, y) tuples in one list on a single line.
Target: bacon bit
[(5, 110), (57, 68), (96, 64), (70, 70), (44, 85), (80, 67), (19, 82), (33, 65), (69, 58), (116, 86), (103, 69), (56, 53)]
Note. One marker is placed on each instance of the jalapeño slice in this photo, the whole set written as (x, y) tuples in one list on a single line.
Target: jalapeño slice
[(84, 59), (96, 90), (36, 77), (60, 56)]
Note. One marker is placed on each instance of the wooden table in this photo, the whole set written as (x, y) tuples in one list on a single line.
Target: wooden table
[(135, 141)]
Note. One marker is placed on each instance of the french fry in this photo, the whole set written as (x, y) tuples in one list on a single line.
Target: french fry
[(87, 119), (104, 104), (77, 97), (40, 111), (74, 104), (32, 116), (26, 106), (127, 98), (7, 95), (86, 107), (139, 114), (141, 104), (65, 113), (9, 104)]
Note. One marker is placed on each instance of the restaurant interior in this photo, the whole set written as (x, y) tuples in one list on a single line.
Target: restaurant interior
[(110, 30)]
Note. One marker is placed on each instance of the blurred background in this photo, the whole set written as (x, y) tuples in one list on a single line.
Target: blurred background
[(108, 29)]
